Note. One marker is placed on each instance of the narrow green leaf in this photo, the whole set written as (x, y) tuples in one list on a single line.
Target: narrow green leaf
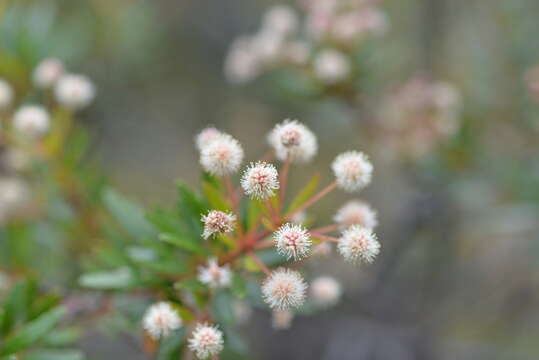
[(184, 242), (128, 214), (305, 193), (121, 278), (54, 354)]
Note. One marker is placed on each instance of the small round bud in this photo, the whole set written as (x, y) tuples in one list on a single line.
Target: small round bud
[(206, 136), (281, 319), (325, 290), (215, 276), (292, 241), (358, 244), (352, 170), (242, 63), (280, 18), (6, 94), (331, 66), (31, 121), (206, 341), (74, 91), (217, 222), (160, 320), (47, 73), (260, 180), (294, 141), (356, 213), (222, 156), (284, 289)]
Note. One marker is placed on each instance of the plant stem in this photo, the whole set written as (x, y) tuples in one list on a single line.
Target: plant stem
[(326, 229), (323, 237), (313, 200), (259, 262)]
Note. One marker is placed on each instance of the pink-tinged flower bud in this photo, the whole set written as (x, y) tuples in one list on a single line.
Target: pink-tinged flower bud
[(206, 341), (356, 213), (215, 276), (217, 222), (353, 170), (292, 241), (280, 18), (284, 289), (293, 141), (358, 244), (6, 94), (222, 156), (325, 290), (160, 320), (47, 73), (260, 180), (331, 66), (31, 121), (206, 136), (74, 91)]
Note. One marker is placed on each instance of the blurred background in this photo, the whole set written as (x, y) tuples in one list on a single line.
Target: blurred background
[(458, 274)]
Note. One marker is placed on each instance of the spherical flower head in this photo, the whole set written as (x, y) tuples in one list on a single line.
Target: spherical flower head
[(6, 94), (206, 341), (356, 213), (260, 180), (206, 136), (74, 91), (242, 63), (222, 156), (292, 241), (217, 222), (284, 289), (160, 320), (325, 290), (281, 19), (14, 193), (281, 319), (47, 73), (215, 276), (358, 244), (352, 170), (331, 66), (293, 141), (31, 121)]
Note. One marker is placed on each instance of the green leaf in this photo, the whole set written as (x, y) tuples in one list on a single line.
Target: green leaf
[(190, 208), (62, 337), (305, 193), (32, 332), (17, 303), (215, 197), (165, 221), (239, 287), (171, 346), (54, 354), (184, 242), (191, 285), (223, 309), (128, 214), (116, 279)]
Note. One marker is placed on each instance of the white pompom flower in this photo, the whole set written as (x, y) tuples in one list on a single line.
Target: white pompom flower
[(292, 140), (325, 290), (214, 275), (206, 341), (160, 320), (280, 18), (331, 66), (284, 289), (31, 121), (217, 222), (356, 212), (222, 156), (47, 73), (352, 170), (206, 136), (6, 94), (358, 244), (74, 91), (260, 180), (292, 241)]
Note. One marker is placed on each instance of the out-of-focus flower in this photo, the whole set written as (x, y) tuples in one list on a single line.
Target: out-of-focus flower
[(160, 320), (217, 222), (215, 276), (331, 66), (358, 244), (47, 73), (222, 156), (14, 195), (281, 319), (293, 141), (322, 249), (281, 19), (353, 170), (260, 180), (284, 289), (356, 212), (325, 290), (242, 63), (206, 136), (31, 121), (292, 241), (6, 94), (206, 340), (74, 91)]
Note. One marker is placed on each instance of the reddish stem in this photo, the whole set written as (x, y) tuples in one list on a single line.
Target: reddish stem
[(313, 200), (259, 262), (323, 237), (326, 229)]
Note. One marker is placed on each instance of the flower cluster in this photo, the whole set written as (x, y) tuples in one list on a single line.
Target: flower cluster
[(321, 45)]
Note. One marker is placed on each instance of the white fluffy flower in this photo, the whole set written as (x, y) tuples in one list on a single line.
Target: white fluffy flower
[(160, 319), (6, 94), (222, 156), (74, 91), (14, 194), (325, 290), (260, 180), (215, 276), (331, 66), (281, 19), (47, 73), (31, 120), (217, 222), (281, 319), (292, 241), (356, 212), (206, 136), (358, 244), (242, 63), (352, 170), (206, 341), (284, 289), (293, 140)]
